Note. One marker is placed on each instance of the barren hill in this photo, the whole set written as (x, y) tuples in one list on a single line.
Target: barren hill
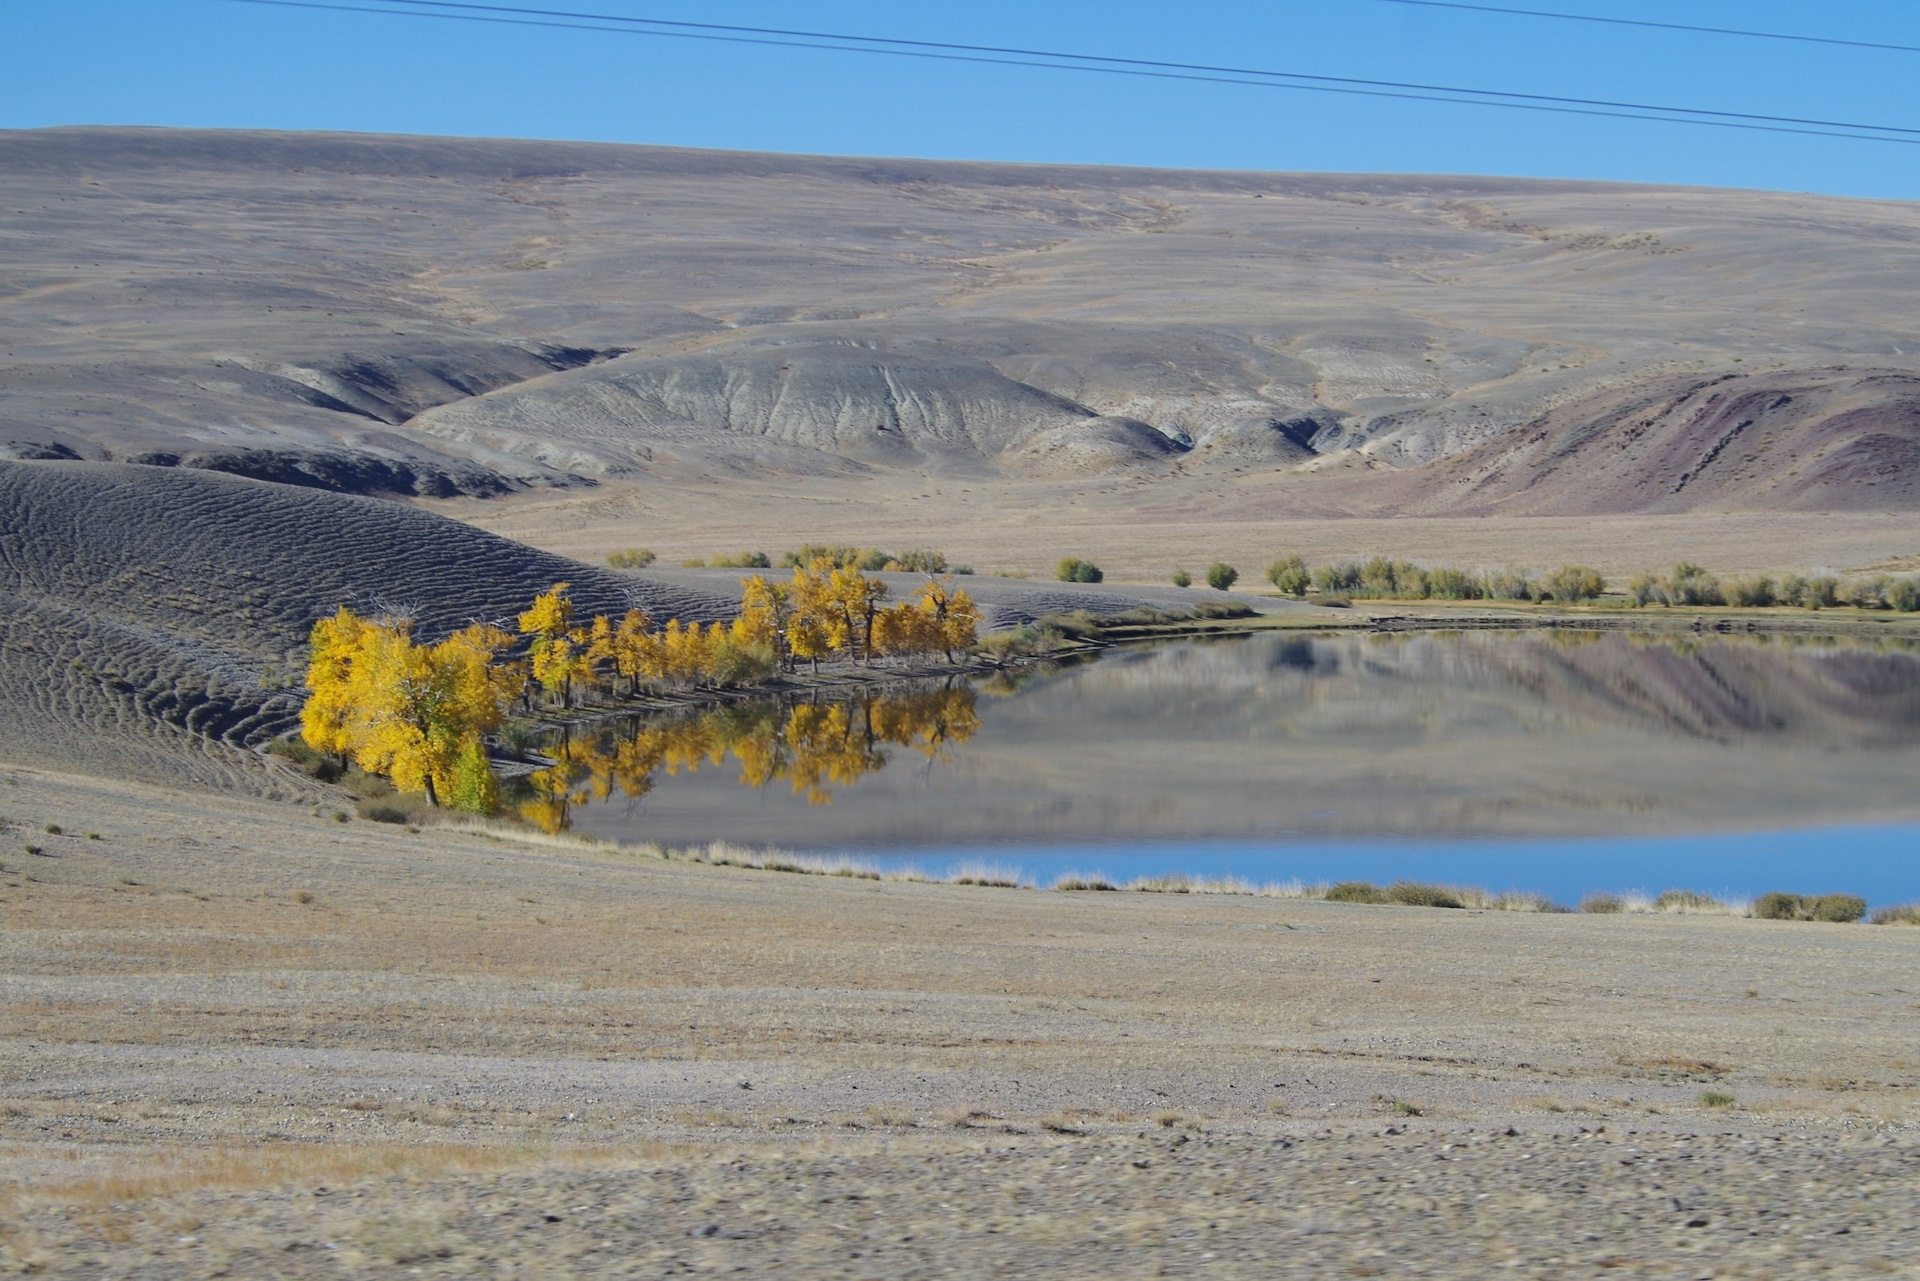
[(439, 317), (152, 620)]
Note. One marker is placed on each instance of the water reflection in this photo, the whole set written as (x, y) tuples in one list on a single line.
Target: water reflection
[(1288, 739), (816, 746)]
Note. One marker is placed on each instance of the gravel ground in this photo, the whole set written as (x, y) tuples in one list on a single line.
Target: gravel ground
[(247, 1039)]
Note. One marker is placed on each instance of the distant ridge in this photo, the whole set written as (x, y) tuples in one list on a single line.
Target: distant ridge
[(436, 316)]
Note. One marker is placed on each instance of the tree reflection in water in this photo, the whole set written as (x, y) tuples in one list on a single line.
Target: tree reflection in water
[(817, 746)]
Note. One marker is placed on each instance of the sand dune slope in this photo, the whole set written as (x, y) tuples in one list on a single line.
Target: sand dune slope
[(151, 619)]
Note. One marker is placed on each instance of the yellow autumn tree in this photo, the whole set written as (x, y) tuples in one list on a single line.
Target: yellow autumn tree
[(333, 649), (415, 713), (956, 618), (556, 656), (637, 653), (855, 600)]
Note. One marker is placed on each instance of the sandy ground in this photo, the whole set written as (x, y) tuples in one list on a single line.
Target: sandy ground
[(1140, 535), (248, 1040)]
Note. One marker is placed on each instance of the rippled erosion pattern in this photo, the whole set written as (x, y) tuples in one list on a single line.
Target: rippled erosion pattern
[(1424, 734)]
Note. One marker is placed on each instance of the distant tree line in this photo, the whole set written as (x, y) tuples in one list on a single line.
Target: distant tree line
[(870, 559)]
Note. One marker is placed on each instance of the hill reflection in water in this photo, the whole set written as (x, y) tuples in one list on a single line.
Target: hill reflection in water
[(1289, 738)]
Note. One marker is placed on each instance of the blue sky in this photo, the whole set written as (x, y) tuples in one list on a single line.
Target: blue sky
[(223, 64)]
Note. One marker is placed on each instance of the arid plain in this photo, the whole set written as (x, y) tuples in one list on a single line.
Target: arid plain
[(248, 378), (246, 1040)]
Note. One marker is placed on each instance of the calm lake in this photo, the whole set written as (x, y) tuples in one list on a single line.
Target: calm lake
[(1557, 762)]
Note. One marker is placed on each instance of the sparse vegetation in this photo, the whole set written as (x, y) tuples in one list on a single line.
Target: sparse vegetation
[(1716, 1099), (871, 559), (1903, 914), (1687, 585), (630, 558), (741, 560)]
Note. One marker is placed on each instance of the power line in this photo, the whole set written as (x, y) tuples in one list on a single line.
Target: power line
[(1204, 68), (1135, 67), (1658, 26)]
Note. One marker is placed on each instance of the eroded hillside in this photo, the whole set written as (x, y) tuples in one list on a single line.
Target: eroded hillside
[(446, 317)]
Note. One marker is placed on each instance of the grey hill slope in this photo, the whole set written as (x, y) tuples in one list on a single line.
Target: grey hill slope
[(152, 620), (442, 316)]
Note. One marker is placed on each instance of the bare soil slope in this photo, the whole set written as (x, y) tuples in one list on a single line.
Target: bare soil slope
[(443, 316), (152, 620)]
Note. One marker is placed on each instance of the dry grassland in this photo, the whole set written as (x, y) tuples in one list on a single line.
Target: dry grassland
[(249, 1040), (1141, 534)]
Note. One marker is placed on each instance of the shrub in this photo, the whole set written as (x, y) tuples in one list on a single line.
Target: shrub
[(1792, 591), (1602, 904), (1869, 593), (630, 558), (1221, 576), (1809, 907), (1290, 576), (1687, 901), (1382, 577), (1181, 578), (694, 562), (1447, 583), (1571, 584), (1511, 583), (314, 764), (1355, 892), (1904, 595), (1344, 577), (1823, 592), (741, 560), (381, 813), (1757, 592), (963, 569), (736, 664), (919, 561), (1645, 589), (1074, 570), (1716, 1099), (1415, 894), (1904, 914), (1692, 585)]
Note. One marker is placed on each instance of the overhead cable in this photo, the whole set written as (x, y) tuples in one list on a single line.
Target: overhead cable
[(1100, 64)]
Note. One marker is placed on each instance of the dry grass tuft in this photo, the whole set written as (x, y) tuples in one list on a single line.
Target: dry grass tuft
[(991, 874), (1077, 881)]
